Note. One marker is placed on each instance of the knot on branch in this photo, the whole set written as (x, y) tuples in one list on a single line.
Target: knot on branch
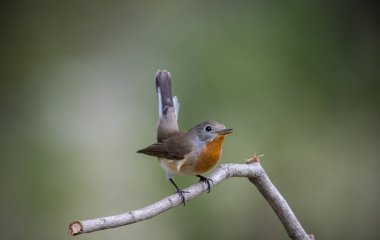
[(254, 159)]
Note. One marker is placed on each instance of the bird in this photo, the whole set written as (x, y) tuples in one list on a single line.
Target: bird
[(188, 153)]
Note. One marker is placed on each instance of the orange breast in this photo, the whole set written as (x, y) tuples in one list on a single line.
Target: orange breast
[(209, 155)]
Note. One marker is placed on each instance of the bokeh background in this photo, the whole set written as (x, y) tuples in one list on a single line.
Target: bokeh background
[(298, 81)]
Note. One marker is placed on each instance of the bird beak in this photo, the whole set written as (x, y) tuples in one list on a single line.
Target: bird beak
[(225, 131)]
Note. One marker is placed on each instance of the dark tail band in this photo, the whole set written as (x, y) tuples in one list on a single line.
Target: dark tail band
[(163, 88)]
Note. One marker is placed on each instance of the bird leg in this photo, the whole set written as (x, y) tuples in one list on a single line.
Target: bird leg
[(179, 191), (206, 180)]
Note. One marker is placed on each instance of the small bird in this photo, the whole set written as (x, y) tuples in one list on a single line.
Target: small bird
[(188, 153)]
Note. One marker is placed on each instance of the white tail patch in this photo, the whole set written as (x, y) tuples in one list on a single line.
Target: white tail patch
[(175, 104), (176, 107), (159, 103)]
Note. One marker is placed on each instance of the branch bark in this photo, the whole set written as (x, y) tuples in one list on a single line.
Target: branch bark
[(252, 170)]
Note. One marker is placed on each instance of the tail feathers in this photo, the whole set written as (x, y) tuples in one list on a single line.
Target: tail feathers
[(163, 89), (168, 106)]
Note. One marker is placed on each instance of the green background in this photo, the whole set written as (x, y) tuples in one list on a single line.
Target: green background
[(297, 80)]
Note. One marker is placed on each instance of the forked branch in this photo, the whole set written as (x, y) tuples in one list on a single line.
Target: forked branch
[(252, 170)]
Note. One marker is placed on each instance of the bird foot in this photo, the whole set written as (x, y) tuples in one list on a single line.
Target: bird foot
[(180, 193), (207, 181)]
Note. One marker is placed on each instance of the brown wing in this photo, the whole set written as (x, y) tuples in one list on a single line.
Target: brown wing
[(174, 148)]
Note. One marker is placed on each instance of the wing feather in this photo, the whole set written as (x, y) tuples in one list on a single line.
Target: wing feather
[(175, 148)]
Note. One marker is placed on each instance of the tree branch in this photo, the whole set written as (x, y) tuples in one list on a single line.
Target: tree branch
[(252, 170)]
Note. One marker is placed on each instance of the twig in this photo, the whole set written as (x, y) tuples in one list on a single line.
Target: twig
[(252, 170)]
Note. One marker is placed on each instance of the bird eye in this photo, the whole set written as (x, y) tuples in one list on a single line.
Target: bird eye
[(208, 128)]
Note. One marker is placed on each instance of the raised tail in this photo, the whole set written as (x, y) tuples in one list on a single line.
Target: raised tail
[(168, 106)]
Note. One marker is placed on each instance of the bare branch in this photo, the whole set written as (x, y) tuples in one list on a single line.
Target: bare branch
[(252, 170)]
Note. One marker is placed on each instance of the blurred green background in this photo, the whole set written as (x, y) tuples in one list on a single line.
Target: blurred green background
[(298, 81)]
